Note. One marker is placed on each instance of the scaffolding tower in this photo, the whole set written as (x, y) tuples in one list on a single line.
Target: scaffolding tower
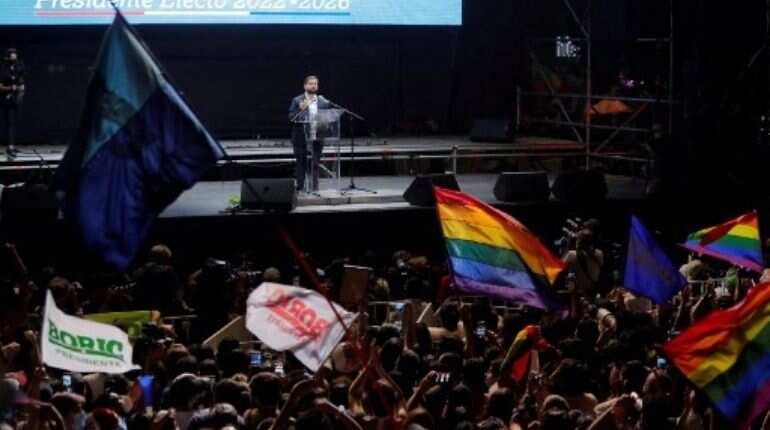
[(608, 148)]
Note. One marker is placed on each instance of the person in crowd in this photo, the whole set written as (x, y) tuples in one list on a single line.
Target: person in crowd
[(157, 286), (600, 367), (586, 263), (12, 88)]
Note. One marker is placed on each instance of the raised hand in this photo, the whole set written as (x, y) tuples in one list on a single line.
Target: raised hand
[(428, 381)]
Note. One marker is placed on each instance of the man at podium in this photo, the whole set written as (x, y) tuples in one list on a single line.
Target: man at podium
[(305, 133)]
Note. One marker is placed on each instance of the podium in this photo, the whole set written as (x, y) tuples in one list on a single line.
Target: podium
[(320, 128)]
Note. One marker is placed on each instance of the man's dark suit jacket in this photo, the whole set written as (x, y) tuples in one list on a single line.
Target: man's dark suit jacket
[(297, 129)]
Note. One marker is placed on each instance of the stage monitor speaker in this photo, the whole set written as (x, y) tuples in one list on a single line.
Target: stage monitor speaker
[(29, 203), (491, 130), (522, 186), (580, 186), (269, 194), (420, 191)]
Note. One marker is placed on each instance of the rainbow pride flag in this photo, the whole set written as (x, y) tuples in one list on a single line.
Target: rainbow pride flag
[(520, 353), (727, 355), (492, 254), (736, 241)]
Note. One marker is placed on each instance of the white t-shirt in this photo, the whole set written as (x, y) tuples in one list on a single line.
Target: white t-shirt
[(312, 111)]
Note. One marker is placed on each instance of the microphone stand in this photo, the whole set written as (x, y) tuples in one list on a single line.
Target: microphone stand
[(352, 116)]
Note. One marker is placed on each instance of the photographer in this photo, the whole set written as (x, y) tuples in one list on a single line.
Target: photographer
[(11, 95), (586, 262), (218, 295)]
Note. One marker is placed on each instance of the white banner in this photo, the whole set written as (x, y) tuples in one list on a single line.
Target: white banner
[(296, 319), (80, 345)]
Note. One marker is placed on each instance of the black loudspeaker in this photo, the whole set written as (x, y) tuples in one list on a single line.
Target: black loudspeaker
[(491, 130), (269, 194), (29, 203), (522, 186), (580, 186), (420, 191)]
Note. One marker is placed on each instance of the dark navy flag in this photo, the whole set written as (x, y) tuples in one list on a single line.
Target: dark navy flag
[(138, 147), (649, 271)]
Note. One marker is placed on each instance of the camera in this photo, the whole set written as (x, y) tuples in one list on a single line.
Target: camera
[(219, 271), (569, 233), (255, 359), (66, 381), (155, 334), (146, 383), (396, 313), (253, 277), (125, 287), (481, 329), (278, 368)]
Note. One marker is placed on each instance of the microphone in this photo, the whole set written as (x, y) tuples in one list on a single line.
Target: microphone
[(327, 101)]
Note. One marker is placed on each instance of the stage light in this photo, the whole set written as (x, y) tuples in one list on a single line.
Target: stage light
[(566, 47)]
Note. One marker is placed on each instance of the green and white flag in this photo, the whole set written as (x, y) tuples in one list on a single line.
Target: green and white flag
[(80, 345)]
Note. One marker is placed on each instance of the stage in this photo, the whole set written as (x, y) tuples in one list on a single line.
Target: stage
[(385, 166), (215, 198), (202, 220)]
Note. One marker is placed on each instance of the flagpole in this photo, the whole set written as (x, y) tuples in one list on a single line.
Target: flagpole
[(759, 232), (317, 284), (42, 334), (309, 272), (297, 255)]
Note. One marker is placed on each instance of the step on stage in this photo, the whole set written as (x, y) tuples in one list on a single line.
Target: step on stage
[(366, 149)]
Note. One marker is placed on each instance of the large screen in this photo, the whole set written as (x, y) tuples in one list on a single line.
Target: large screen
[(341, 12)]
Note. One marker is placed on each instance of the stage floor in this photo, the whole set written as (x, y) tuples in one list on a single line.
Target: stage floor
[(214, 198)]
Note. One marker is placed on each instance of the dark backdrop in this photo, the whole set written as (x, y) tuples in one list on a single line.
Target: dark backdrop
[(240, 78)]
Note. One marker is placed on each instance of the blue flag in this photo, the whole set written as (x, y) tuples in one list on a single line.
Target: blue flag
[(138, 147), (649, 271)]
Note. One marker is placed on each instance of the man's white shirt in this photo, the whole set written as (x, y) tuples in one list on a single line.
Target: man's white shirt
[(312, 111)]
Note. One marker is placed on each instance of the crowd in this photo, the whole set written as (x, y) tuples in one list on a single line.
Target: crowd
[(601, 367)]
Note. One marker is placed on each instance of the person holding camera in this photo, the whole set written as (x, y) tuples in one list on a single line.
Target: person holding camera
[(586, 262)]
